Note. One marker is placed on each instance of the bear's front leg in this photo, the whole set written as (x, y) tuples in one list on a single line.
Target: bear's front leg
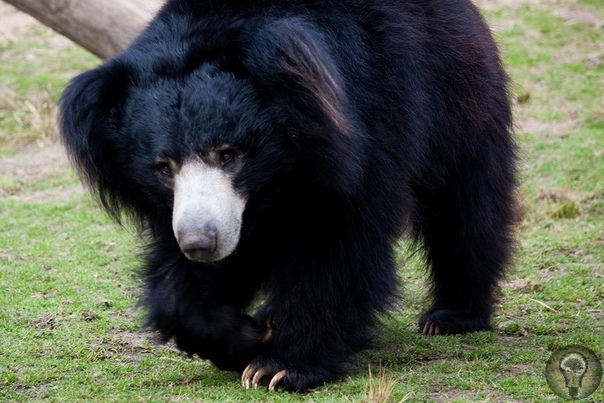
[(322, 303), (200, 307)]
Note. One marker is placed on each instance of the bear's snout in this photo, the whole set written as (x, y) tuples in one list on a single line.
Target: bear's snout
[(198, 246), (207, 213)]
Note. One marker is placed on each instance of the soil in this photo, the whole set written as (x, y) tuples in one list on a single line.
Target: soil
[(35, 162)]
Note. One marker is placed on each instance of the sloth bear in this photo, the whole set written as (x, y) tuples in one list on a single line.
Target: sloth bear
[(272, 152)]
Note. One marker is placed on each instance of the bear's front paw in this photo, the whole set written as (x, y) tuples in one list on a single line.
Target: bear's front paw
[(272, 373), (253, 374), (232, 347)]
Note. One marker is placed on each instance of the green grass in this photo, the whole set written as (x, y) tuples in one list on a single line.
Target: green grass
[(69, 327)]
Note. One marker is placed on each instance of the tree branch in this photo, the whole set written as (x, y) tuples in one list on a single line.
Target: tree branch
[(104, 27)]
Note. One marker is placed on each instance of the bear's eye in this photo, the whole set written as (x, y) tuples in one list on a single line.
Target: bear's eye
[(164, 169), (227, 155)]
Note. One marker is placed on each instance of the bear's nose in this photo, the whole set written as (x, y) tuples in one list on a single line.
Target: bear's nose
[(198, 246)]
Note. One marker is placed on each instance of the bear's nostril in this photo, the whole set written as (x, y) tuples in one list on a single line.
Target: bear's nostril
[(198, 245)]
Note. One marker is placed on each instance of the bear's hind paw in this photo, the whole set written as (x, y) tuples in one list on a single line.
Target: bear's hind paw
[(430, 328), (451, 321)]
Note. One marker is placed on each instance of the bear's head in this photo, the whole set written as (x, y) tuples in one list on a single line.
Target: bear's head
[(188, 129)]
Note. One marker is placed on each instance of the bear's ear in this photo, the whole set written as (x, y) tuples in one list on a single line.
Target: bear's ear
[(289, 55), (293, 63), (89, 118)]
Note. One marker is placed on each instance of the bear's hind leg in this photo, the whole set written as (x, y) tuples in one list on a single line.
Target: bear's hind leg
[(466, 228)]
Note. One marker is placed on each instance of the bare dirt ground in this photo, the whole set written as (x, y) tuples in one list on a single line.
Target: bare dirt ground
[(12, 19), (33, 162)]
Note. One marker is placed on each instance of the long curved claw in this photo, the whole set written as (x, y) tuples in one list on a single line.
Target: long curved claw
[(278, 377), (248, 372), (257, 376), (431, 329), (253, 374)]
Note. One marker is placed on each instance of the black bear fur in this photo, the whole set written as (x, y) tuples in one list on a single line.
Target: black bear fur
[(357, 121)]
